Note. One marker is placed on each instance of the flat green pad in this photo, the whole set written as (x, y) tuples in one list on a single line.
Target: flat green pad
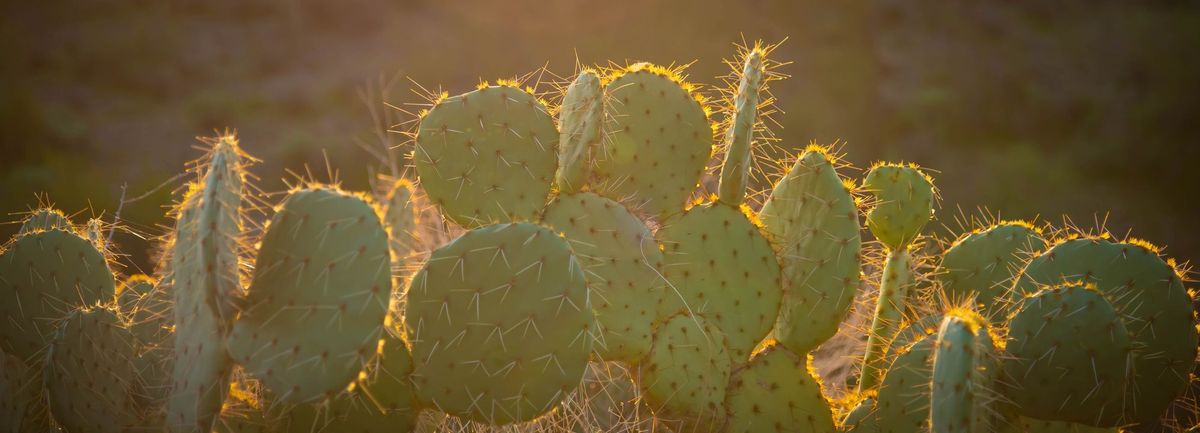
[(581, 117), (903, 402), (777, 392), (90, 376), (965, 375), (22, 405), (726, 270), (1069, 357), (622, 262), (44, 219), (1147, 292), (402, 217), (320, 294), (658, 142), (610, 399), (44, 275), (487, 156), (981, 265), (814, 220), (904, 203), (686, 374), (500, 324)]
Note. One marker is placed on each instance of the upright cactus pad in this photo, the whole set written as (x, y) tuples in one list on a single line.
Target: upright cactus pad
[(658, 142), (981, 265), (1147, 291), (723, 267), (903, 402), (500, 324), (43, 219), (219, 230), (861, 417), (90, 376), (963, 387), (903, 203), (487, 156), (1069, 356), (611, 399), (814, 220), (319, 297), (402, 217), (686, 374), (44, 275), (778, 392), (894, 288), (581, 119), (622, 262), (735, 172)]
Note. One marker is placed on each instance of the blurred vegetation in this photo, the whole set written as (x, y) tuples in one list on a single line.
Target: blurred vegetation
[(1077, 108)]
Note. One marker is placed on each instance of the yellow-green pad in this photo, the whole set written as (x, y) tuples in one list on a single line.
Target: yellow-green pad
[(44, 275), (320, 294), (90, 376), (487, 156), (724, 268), (903, 402), (981, 265), (686, 374), (965, 376), (814, 220), (903, 203), (500, 324), (623, 263), (777, 392), (658, 141), (580, 117)]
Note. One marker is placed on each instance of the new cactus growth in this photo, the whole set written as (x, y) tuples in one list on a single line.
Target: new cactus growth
[(962, 390), (777, 391), (487, 156), (43, 219), (581, 119), (500, 324), (686, 374), (402, 217), (980, 266), (90, 376), (735, 172)]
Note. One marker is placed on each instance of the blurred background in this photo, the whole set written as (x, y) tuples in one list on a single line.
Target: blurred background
[(1033, 109)]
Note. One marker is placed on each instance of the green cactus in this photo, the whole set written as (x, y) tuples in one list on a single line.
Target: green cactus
[(402, 217), (686, 374), (94, 231), (1056, 331), (145, 307), (735, 172), (902, 405), (319, 296), (219, 229), (500, 324), (658, 142), (44, 219), (580, 119), (610, 399), (981, 265), (22, 405), (90, 377), (777, 391), (1030, 425), (814, 219), (487, 156), (1148, 293), (861, 417), (965, 375)]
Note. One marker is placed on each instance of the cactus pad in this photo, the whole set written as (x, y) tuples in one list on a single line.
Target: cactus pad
[(814, 219), (319, 297), (622, 262), (44, 219), (981, 265), (776, 391), (581, 118), (22, 406), (500, 324), (724, 268), (402, 217), (90, 376), (903, 203), (487, 156), (686, 374), (903, 402), (219, 229), (962, 391)]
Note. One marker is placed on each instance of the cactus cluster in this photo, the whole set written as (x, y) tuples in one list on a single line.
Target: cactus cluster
[(564, 266)]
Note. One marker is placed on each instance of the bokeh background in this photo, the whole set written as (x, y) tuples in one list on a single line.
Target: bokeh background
[(1081, 108)]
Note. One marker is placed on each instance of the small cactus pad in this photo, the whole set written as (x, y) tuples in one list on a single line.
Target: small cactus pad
[(777, 392), (219, 228), (487, 156), (658, 142), (94, 232), (402, 217), (1147, 291), (621, 259), (44, 219), (90, 377), (894, 288), (1070, 354), (500, 324), (44, 275), (724, 268), (685, 377), (981, 265), (861, 418), (22, 407), (903, 203), (580, 118), (962, 390), (903, 402), (813, 217), (735, 172), (319, 297), (611, 399)]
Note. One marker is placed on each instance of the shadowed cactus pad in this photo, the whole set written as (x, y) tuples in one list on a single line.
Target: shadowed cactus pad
[(814, 219), (319, 296), (725, 269), (44, 219), (487, 156), (1030, 425), (981, 265), (903, 203), (622, 262), (658, 141), (90, 377), (402, 216), (22, 405), (964, 381), (903, 402), (1069, 356), (777, 392), (686, 374), (44, 275), (500, 324)]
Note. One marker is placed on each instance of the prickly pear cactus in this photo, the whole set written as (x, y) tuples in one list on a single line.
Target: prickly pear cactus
[(1030, 425), (1148, 293), (487, 156), (965, 374), (94, 232), (402, 217), (903, 203), (814, 219), (981, 265), (894, 288), (739, 138), (500, 324), (686, 374), (219, 229), (903, 402), (861, 417), (610, 399), (90, 377), (777, 391), (145, 307), (1069, 356), (580, 118), (22, 405), (43, 219), (658, 142), (319, 297)]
